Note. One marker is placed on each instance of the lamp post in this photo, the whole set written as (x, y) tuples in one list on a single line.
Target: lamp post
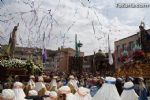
[(78, 45), (78, 62)]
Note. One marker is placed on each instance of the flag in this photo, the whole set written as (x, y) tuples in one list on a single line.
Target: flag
[(109, 53), (44, 53), (110, 58)]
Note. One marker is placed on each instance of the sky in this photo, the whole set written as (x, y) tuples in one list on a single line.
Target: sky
[(57, 21)]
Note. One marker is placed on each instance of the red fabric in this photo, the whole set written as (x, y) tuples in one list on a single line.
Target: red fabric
[(138, 54), (123, 58)]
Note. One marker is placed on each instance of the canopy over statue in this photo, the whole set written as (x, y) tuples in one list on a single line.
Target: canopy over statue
[(145, 38)]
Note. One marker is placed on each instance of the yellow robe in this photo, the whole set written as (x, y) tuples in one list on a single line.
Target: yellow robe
[(72, 88), (42, 92)]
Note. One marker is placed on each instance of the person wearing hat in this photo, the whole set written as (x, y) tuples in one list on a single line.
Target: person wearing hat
[(128, 92), (142, 89), (65, 93), (8, 94), (40, 86), (53, 84), (83, 94), (72, 84), (108, 90), (18, 90), (30, 85)]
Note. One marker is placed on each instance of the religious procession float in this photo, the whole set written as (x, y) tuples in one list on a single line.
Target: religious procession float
[(12, 67), (136, 64), (135, 68), (16, 67)]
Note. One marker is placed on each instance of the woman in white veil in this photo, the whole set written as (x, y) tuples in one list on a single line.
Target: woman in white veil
[(7, 94), (83, 94), (53, 84), (64, 93), (128, 92), (108, 91), (18, 90)]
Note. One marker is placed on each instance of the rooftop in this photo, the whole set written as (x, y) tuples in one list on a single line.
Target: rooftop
[(130, 36)]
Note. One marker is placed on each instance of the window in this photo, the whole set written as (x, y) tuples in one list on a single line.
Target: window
[(124, 47), (131, 45), (117, 52), (138, 41), (117, 49)]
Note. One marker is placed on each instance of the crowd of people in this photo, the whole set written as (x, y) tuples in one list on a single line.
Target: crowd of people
[(72, 87)]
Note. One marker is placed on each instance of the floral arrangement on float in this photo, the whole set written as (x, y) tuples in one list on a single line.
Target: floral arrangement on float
[(124, 56), (12, 63), (20, 65), (138, 53), (32, 68)]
